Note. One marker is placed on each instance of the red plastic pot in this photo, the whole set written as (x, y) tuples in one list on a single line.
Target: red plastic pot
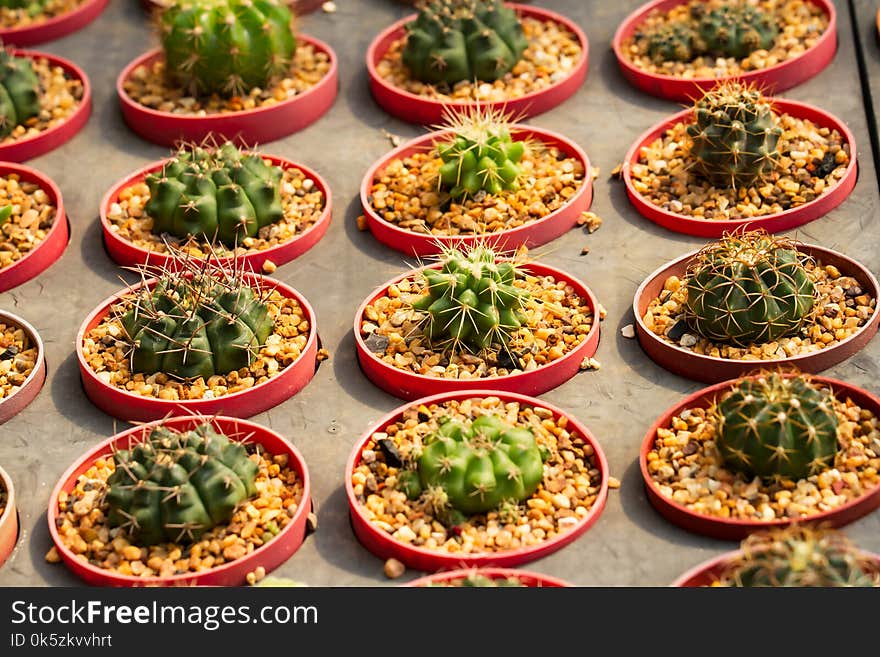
[(711, 369), (130, 406), (531, 234), (408, 385), (385, 546), (9, 519), (56, 27), (529, 579), (247, 127), (735, 529), (269, 556), (35, 145), (128, 254), (774, 79), (52, 246), (413, 108), (772, 223), (13, 404)]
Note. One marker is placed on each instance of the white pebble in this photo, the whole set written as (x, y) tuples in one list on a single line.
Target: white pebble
[(628, 331)]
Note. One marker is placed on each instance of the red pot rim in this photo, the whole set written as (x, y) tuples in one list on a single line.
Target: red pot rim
[(522, 103), (527, 577), (126, 253), (736, 528), (233, 569), (33, 383), (158, 408), (678, 88), (383, 544), (418, 385), (703, 367), (532, 233), (47, 140), (9, 518), (777, 222), (55, 27)]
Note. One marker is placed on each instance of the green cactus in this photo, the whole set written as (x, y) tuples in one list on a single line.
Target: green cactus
[(800, 557), (196, 323), (455, 40), (32, 7), (175, 486), (475, 469), (19, 91), (777, 427), (734, 136), (748, 288), (478, 580), (5, 213), (669, 42), (227, 47), (734, 29), (217, 193)]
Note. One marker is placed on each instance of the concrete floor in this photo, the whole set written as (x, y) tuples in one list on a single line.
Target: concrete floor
[(630, 544)]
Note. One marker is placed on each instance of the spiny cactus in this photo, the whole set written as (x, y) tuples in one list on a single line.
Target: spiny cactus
[(474, 469), (226, 46), (734, 29), (196, 322), (800, 557), (175, 486), (777, 427), (213, 193), (669, 42), (749, 288), (455, 40), (734, 136), (19, 91)]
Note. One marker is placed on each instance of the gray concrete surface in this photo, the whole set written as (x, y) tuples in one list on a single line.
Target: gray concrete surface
[(630, 544)]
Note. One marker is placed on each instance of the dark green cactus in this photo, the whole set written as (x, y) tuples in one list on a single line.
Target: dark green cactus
[(749, 288), (175, 486), (217, 193), (32, 7), (669, 42), (455, 40), (734, 136), (777, 427), (475, 469), (734, 29), (227, 46), (19, 91)]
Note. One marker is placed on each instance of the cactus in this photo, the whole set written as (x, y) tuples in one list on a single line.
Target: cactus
[(5, 213), (471, 302), (226, 46), (175, 486), (777, 427), (748, 288), (800, 557), (455, 40), (217, 193), (669, 42), (32, 7), (196, 323), (734, 29), (479, 580), (19, 91), (475, 469), (734, 136)]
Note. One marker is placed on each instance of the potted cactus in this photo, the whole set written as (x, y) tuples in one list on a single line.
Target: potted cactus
[(22, 364), (218, 201), (677, 48), (488, 578), (189, 500), (752, 297), (468, 52), (8, 517), (739, 158), (27, 22), (762, 451), (191, 86), (478, 178), (476, 316)]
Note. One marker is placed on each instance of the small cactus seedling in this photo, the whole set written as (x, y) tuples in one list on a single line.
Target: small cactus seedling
[(800, 557), (735, 29), (777, 427), (734, 136), (226, 47), (5, 213), (213, 193), (19, 91), (175, 486), (749, 288), (32, 7), (669, 42)]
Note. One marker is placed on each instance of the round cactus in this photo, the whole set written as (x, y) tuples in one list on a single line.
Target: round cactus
[(735, 29), (226, 46), (734, 136), (176, 486), (777, 427), (455, 40), (668, 42), (748, 289), (19, 91), (215, 193)]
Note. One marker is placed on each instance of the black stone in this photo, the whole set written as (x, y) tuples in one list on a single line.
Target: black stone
[(376, 343), (11, 351), (826, 165), (389, 449), (678, 329)]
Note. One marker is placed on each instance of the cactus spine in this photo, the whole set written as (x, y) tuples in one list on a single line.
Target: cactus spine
[(19, 91)]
